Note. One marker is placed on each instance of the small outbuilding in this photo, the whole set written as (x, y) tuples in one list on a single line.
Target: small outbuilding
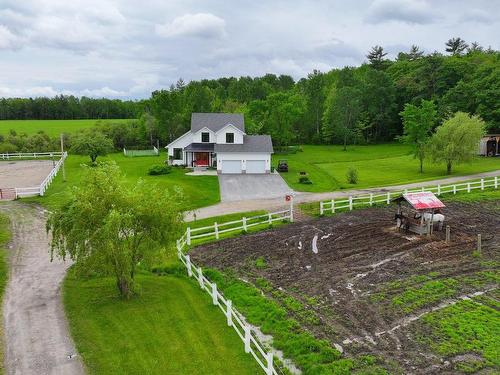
[(419, 212), (489, 145)]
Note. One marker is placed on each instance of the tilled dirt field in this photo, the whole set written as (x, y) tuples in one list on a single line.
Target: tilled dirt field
[(365, 274), (24, 173)]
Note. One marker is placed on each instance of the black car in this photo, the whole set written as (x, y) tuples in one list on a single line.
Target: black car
[(282, 166)]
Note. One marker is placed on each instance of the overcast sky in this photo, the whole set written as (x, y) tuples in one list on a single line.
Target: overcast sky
[(128, 48)]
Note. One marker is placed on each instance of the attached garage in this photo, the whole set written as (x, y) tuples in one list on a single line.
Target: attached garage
[(231, 166), (256, 166)]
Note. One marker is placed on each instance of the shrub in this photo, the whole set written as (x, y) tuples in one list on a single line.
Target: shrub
[(305, 180), (159, 169), (352, 175)]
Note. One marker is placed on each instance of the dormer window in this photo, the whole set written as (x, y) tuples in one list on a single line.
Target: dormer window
[(229, 137), (205, 137)]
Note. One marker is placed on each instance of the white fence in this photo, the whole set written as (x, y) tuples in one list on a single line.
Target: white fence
[(371, 199), (30, 155), (234, 318), (132, 153), (246, 222), (53, 173)]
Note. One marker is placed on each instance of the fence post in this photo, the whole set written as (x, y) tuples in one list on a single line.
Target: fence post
[(333, 206), (214, 294), (229, 312), (269, 219), (179, 254), (496, 182), (188, 266), (454, 189), (200, 277), (406, 191), (216, 229), (269, 369), (350, 202), (479, 244), (371, 199), (447, 234), (247, 338), (291, 209), (321, 207), (188, 235), (468, 187), (482, 184), (388, 197), (244, 223), (439, 189)]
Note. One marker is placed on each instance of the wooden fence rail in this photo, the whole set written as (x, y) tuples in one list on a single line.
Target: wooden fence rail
[(371, 199), (235, 319)]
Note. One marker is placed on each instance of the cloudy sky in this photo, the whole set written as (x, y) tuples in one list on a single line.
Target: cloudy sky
[(127, 48)]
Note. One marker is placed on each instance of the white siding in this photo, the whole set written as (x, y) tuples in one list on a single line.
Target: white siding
[(221, 134), (197, 136), (221, 156), (180, 142)]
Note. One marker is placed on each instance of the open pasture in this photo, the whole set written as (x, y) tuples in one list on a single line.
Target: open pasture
[(415, 304), (51, 127)]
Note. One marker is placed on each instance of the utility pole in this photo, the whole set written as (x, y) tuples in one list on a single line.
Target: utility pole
[(62, 156)]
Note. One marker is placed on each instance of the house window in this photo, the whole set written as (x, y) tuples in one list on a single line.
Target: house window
[(177, 153), (205, 137), (229, 137)]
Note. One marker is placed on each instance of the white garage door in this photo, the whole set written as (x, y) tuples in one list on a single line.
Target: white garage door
[(256, 166), (231, 166)]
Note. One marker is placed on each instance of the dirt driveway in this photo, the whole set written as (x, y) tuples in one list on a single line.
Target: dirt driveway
[(24, 173), (35, 329)]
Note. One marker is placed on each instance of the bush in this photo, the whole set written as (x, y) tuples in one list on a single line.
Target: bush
[(304, 180), (352, 175), (159, 169)]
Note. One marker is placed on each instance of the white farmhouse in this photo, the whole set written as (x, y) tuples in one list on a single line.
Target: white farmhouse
[(219, 140)]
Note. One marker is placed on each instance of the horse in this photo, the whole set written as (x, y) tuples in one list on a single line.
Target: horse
[(403, 222)]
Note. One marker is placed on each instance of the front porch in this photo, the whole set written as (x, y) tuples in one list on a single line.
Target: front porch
[(199, 155)]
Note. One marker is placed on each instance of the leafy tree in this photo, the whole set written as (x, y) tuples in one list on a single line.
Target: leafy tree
[(107, 227), (376, 56), (93, 144), (314, 90), (456, 46), (417, 124), (456, 140)]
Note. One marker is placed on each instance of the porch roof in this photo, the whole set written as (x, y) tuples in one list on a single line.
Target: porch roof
[(200, 147)]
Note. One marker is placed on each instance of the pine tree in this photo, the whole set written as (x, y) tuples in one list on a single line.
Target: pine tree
[(376, 56), (456, 46)]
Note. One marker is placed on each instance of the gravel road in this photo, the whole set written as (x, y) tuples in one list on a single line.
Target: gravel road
[(36, 333)]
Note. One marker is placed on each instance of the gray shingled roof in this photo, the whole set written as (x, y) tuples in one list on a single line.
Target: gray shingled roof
[(200, 147), (216, 121), (251, 143)]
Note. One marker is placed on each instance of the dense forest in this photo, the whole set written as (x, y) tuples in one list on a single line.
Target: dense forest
[(64, 107), (354, 104)]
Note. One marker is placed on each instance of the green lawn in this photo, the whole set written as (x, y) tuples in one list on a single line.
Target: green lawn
[(199, 191), (377, 165), (51, 127), (170, 328), (4, 238)]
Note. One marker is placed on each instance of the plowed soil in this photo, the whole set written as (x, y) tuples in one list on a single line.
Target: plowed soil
[(355, 264)]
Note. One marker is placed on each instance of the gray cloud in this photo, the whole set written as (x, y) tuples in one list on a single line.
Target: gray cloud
[(408, 11), (116, 48)]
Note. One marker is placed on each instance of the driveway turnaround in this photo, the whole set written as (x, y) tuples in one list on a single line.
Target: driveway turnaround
[(238, 187), (36, 333)]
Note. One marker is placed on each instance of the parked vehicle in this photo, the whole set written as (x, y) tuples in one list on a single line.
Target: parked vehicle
[(282, 166)]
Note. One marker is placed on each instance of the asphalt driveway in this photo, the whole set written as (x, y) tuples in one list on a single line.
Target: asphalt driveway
[(237, 187)]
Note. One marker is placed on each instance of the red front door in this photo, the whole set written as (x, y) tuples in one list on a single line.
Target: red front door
[(201, 159)]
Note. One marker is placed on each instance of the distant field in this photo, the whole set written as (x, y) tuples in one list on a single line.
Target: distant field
[(377, 165), (51, 127)]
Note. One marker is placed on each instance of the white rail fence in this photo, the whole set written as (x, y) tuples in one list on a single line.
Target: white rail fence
[(235, 319), (133, 153), (37, 190), (30, 155), (215, 230), (371, 199)]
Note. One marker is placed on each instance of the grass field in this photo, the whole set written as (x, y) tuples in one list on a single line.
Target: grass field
[(170, 328), (4, 238), (199, 191), (377, 165), (51, 127)]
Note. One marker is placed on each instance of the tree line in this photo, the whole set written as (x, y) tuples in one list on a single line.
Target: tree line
[(68, 107)]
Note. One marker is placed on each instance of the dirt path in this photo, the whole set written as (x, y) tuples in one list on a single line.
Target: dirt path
[(36, 332), (224, 208)]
